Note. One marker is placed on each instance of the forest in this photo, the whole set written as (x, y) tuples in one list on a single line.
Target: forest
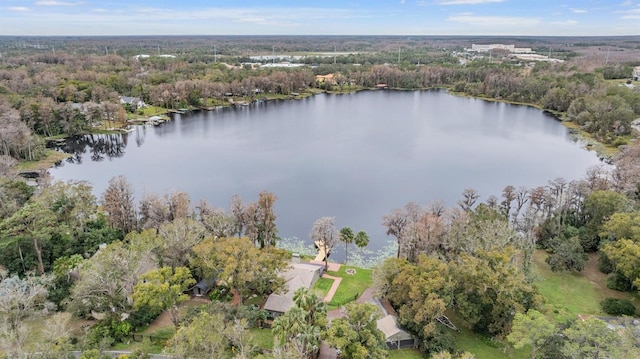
[(85, 274)]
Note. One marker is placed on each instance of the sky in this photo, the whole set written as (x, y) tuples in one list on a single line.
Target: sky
[(321, 17)]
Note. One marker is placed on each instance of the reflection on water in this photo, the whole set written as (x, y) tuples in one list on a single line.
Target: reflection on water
[(97, 147)]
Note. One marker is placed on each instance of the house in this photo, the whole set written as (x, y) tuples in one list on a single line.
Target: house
[(134, 102), (396, 337), (329, 79), (636, 73), (297, 275), (203, 287)]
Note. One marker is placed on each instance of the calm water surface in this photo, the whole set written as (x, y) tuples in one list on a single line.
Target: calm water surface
[(355, 157)]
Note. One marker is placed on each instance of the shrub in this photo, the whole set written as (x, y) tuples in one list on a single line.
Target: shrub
[(220, 293), (617, 281), (616, 306), (604, 263)]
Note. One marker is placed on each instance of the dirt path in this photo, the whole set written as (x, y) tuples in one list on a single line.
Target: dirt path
[(164, 319), (334, 287), (599, 279)]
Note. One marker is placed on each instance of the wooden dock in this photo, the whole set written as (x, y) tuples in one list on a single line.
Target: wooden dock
[(321, 253)]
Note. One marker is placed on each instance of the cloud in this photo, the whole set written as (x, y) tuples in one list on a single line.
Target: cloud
[(466, 2), (494, 21), (57, 3), (627, 3), (18, 8), (633, 14), (579, 11), (566, 22)]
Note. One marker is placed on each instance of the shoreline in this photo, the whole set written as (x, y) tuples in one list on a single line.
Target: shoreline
[(604, 152)]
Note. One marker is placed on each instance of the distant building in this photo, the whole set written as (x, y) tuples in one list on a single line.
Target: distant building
[(510, 48), (134, 102), (329, 78)]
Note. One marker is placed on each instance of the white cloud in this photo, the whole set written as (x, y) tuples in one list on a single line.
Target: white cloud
[(18, 8), (57, 3), (579, 11), (633, 14), (567, 22), (627, 3), (494, 21), (466, 2)]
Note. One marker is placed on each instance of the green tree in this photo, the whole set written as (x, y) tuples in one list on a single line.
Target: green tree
[(202, 338), (625, 256), (490, 290), (598, 208), (163, 289), (33, 221), (420, 292), (240, 265), (361, 239), (347, 237), (592, 338), (357, 335), (567, 254), (304, 324), (532, 329)]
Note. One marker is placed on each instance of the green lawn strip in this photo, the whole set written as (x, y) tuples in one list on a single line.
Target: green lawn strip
[(262, 338), (352, 285), (405, 354), (482, 347), (566, 294), (144, 346), (323, 285), (49, 159)]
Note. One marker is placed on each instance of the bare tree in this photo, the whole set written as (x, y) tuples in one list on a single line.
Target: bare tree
[(179, 205), (177, 240), (117, 202), (238, 210), (469, 198), (325, 235), (217, 222), (20, 299), (154, 211), (261, 221)]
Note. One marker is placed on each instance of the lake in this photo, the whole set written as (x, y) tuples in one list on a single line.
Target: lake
[(354, 156)]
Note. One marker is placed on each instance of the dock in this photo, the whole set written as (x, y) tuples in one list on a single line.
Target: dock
[(321, 253)]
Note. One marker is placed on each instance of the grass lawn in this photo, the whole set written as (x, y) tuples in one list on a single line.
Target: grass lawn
[(49, 159), (567, 294), (262, 338), (352, 285), (405, 354), (480, 346), (323, 285)]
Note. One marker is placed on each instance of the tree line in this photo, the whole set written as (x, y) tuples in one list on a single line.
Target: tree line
[(68, 94)]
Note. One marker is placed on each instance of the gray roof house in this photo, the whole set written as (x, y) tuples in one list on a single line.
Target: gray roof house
[(297, 275), (135, 102), (396, 337)]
